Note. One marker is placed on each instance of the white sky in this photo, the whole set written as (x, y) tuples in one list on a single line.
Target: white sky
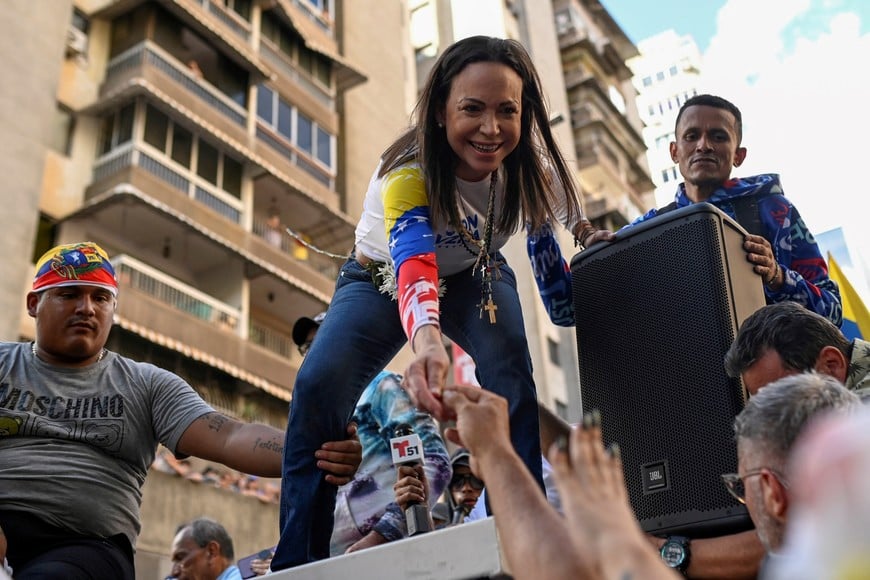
[(800, 73)]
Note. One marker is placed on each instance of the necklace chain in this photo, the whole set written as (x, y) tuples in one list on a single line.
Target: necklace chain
[(485, 261), (99, 356)]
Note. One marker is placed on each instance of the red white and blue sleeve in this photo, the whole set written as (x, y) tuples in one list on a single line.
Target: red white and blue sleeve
[(412, 247)]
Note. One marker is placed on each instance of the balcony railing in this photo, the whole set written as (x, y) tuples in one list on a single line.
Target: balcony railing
[(291, 154), (148, 53), (271, 339), (287, 244), (283, 65), (310, 11), (134, 274), (229, 18), (178, 177)]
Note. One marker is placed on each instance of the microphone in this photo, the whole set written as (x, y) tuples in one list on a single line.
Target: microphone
[(407, 449), (460, 514)]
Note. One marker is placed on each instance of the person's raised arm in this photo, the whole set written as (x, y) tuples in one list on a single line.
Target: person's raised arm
[(533, 535)]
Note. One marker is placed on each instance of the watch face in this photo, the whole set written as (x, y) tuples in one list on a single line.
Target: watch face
[(673, 553)]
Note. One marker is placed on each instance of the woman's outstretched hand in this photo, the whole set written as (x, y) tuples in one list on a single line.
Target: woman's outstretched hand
[(426, 375)]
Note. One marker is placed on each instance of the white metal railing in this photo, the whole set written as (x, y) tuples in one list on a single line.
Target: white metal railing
[(282, 63), (150, 53), (270, 339), (232, 20), (287, 244), (282, 146), (135, 274), (179, 177)]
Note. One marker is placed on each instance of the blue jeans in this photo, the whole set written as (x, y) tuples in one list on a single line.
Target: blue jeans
[(361, 333)]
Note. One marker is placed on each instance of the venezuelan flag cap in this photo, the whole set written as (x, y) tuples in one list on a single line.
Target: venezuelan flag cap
[(82, 264)]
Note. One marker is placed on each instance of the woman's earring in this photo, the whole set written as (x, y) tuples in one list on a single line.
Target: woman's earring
[(440, 125)]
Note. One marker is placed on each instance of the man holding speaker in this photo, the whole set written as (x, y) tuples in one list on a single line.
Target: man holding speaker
[(708, 132), (366, 512)]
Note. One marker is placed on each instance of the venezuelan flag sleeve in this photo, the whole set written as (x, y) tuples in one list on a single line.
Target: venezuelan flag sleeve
[(856, 318), (412, 247)]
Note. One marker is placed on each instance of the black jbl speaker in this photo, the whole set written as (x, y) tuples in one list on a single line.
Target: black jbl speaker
[(656, 310)]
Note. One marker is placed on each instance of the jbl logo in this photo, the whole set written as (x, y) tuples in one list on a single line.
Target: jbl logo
[(655, 477)]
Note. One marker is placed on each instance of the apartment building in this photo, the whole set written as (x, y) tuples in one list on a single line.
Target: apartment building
[(186, 137), (611, 154)]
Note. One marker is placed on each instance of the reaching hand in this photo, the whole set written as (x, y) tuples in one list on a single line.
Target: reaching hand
[(260, 567), (599, 236), (410, 485), (340, 459), (425, 377), (482, 422), (604, 531)]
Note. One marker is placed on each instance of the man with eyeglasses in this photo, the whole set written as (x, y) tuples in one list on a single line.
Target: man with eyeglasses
[(765, 430), (367, 512)]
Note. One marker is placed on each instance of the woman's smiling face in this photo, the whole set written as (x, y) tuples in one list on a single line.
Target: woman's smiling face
[(482, 117)]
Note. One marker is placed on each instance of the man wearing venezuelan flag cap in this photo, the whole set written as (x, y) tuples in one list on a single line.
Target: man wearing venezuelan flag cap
[(79, 427)]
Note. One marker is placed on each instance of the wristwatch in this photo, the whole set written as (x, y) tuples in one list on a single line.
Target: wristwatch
[(675, 553)]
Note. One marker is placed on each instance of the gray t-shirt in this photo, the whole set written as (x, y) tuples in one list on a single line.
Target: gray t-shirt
[(76, 443)]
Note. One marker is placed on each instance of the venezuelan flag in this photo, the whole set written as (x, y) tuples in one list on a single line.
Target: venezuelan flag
[(856, 318)]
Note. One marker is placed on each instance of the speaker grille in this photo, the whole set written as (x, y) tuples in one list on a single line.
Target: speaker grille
[(655, 317)]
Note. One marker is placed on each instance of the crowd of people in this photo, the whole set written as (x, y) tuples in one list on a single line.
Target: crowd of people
[(478, 165), (264, 489)]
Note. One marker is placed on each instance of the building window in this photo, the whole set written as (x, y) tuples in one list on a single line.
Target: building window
[(304, 125), (288, 41), (176, 142), (182, 145), (308, 136), (240, 7), (647, 81), (324, 147), (669, 174), (673, 70), (116, 129), (553, 351), (660, 76)]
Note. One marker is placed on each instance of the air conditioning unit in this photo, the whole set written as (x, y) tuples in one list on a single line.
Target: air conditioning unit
[(76, 42)]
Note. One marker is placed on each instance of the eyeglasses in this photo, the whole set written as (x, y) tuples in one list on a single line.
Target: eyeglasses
[(736, 484), (459, 481), (304, 347)]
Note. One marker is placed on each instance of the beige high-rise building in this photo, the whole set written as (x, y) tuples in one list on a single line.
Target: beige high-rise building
[(186, 137)]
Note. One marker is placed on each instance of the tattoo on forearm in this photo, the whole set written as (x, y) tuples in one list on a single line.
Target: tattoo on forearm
[(270, 445), (215, 421)]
